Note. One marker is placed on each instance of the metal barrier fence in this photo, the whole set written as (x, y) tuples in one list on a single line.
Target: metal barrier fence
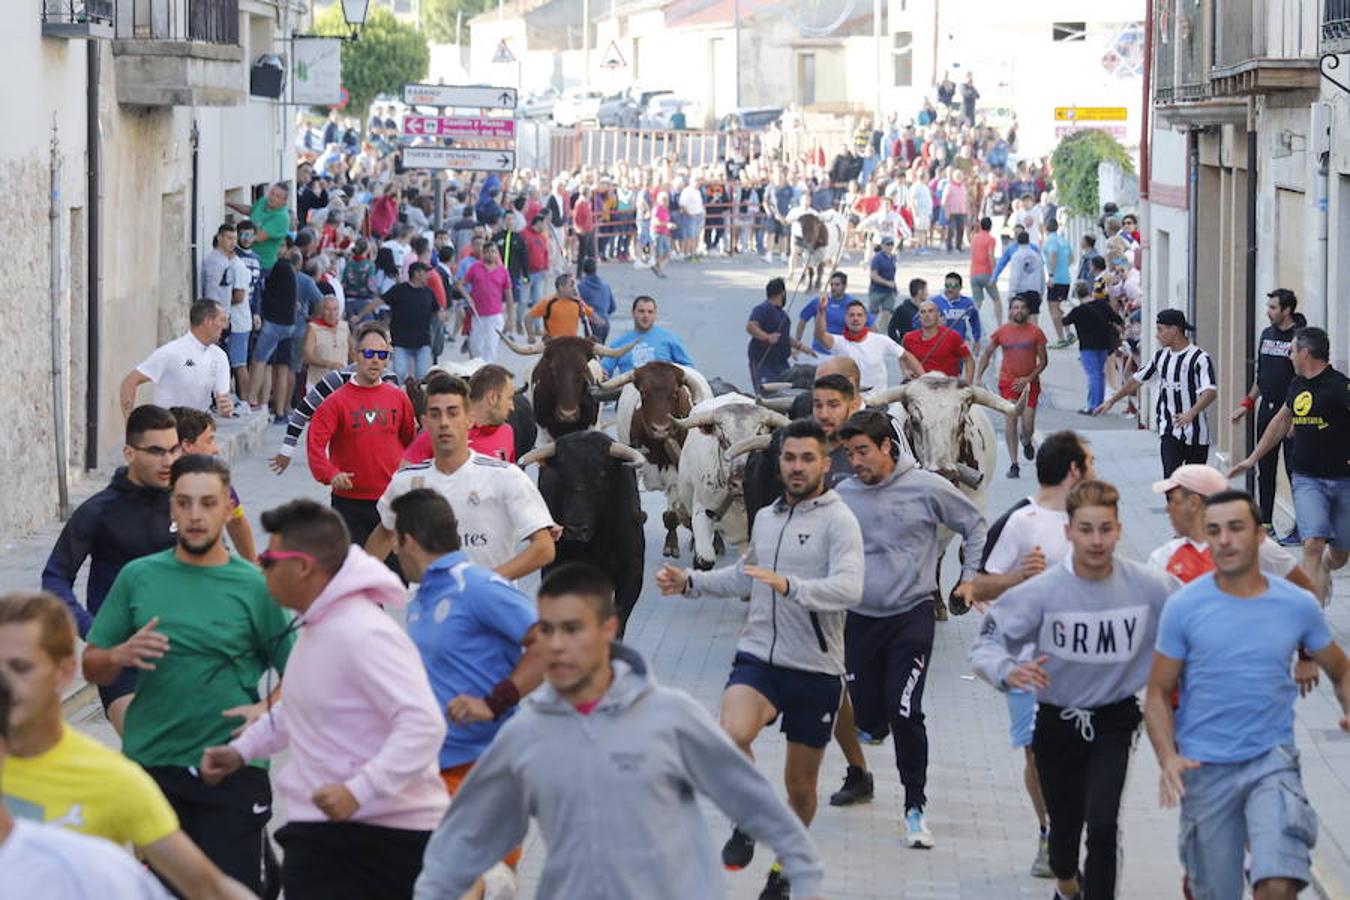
[(571, 148)]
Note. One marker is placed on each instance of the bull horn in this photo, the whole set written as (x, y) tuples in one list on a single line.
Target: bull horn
[(695, 420), (777, 404), (616, 352), (971, 478), (673, 449), (773, 387), (538, 455), (617, 381), (887, 396), (747, 445), (626, 454), (987, 398), (777, 420), (522, 349)]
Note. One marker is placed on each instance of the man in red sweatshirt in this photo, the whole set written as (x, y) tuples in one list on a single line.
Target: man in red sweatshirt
[(358, 435)]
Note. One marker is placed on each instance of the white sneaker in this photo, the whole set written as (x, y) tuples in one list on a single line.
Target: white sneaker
[(768, 258), (917, 835), (499, 883)]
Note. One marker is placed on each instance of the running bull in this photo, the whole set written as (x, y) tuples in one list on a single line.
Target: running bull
[(564, 380)]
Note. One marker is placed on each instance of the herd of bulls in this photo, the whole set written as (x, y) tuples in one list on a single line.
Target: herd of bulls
[(704, 445)]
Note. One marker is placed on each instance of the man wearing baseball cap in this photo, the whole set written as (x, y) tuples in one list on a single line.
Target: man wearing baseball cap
[(1185, 387)]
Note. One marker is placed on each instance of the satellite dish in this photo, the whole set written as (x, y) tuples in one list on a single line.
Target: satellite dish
[(819, 18)]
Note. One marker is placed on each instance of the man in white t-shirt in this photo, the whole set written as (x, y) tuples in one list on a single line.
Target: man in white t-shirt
[(188, 371), (227, 279), (1022, 543), (867, 348), (494, 502)]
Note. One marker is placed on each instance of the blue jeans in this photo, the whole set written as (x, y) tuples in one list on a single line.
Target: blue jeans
[(538, 287), (269, 336), (1322, 508), (1094, 365), (411, 362), (1259, 802)]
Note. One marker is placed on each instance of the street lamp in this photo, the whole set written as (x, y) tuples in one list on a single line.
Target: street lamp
[(354, 11)]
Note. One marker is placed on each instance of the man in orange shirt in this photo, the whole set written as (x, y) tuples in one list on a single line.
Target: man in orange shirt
[(561, 313), (983, 249), (1024, 359)]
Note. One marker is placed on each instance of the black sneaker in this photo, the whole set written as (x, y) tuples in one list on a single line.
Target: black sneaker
[(857, 788), (777, 887), (1029, 450), (738, 850), (1014, 471), (939, 607)]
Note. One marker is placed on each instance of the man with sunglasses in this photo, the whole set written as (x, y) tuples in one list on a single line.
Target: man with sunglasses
[(199, 625), (359, 819), (357, 437), (126, 520)]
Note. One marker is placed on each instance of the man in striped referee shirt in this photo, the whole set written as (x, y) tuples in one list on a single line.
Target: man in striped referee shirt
[(1185, 387)]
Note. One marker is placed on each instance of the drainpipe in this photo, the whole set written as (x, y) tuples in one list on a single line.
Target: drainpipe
[(94, 278), (195, 216), (1249, 345), (58, 330), (1321, 144), (1192, 218), (1144, 161)]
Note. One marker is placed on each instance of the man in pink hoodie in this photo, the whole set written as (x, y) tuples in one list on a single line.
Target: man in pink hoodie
[(362, 786)]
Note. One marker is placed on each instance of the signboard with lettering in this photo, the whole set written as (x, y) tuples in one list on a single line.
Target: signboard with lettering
[(479, 96), (1090, 114), (475, 159), (459, 127)]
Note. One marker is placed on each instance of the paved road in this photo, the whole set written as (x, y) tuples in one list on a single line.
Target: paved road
[(983, 825)]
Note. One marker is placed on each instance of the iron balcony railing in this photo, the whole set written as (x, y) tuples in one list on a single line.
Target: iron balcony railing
[(1336, 20), (209, 21), (78, 12)]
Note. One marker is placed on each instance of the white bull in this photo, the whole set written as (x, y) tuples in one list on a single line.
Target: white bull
[(708, 496), (947, 435)]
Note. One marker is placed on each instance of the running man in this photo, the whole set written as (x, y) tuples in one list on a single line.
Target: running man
[(888, 637), (1022, 543), (790, 656), (200, 626), (1091, 623), (654, 343), (56, 774), (197, 432), (126, 520), (496, 505), (869, 349), (1228, 754), (611, 764), (305, 409), (937, 347), (1024, 359), (1318, 408), (472, 629)]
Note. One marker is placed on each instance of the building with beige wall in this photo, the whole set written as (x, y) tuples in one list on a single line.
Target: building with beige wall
[(161, 87)]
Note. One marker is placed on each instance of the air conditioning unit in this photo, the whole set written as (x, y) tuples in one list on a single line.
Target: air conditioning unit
[(267, 76)]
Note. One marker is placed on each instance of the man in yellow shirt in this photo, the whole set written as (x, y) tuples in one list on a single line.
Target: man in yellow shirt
[(563, 311), (56, 775)]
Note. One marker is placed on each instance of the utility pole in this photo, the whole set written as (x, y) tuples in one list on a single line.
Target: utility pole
[(586, 42), (876, 48)]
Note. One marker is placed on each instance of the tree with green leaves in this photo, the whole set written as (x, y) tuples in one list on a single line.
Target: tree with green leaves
[(388, 55), (1075, 162), (439, 18)]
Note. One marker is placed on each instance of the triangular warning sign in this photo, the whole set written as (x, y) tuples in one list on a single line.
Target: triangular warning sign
[(613, 58), (503, 54)]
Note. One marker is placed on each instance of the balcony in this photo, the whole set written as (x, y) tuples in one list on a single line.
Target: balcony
[(179, 53), (1258, 51), (78, 19), (1336, 26)]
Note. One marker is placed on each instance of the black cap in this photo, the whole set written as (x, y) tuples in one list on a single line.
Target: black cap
[(1175, 318)]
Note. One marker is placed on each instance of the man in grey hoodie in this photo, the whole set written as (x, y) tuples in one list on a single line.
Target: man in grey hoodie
[(610, 763), (888, 638), (1092, 622), (804, 569)]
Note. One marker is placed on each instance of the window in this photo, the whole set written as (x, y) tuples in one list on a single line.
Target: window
[(806, 79), (1069, 31), (902, 56)]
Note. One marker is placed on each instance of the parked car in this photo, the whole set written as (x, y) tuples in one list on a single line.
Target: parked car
[(755, 118), (659, 109), (624, 109), (577, 105), (539, 104)]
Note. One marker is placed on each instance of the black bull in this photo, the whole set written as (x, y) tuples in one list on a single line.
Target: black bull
[(594, 497)]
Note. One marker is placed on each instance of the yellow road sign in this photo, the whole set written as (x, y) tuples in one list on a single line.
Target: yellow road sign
[(1090, 114)]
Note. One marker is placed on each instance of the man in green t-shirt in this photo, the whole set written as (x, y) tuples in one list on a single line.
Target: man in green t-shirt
[(272, 219), (199, 625)]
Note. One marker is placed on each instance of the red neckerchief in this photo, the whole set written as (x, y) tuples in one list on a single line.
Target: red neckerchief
[(858, 338)]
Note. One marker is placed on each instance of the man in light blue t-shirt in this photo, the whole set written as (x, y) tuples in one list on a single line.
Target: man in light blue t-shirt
[(1228, 639), (1057, 254), (655, 344)]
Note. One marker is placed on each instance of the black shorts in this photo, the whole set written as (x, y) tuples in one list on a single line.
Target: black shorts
[(121, 686), (350, 860), (806, 701), (777, 228), (1058, 293), (228, 821)]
